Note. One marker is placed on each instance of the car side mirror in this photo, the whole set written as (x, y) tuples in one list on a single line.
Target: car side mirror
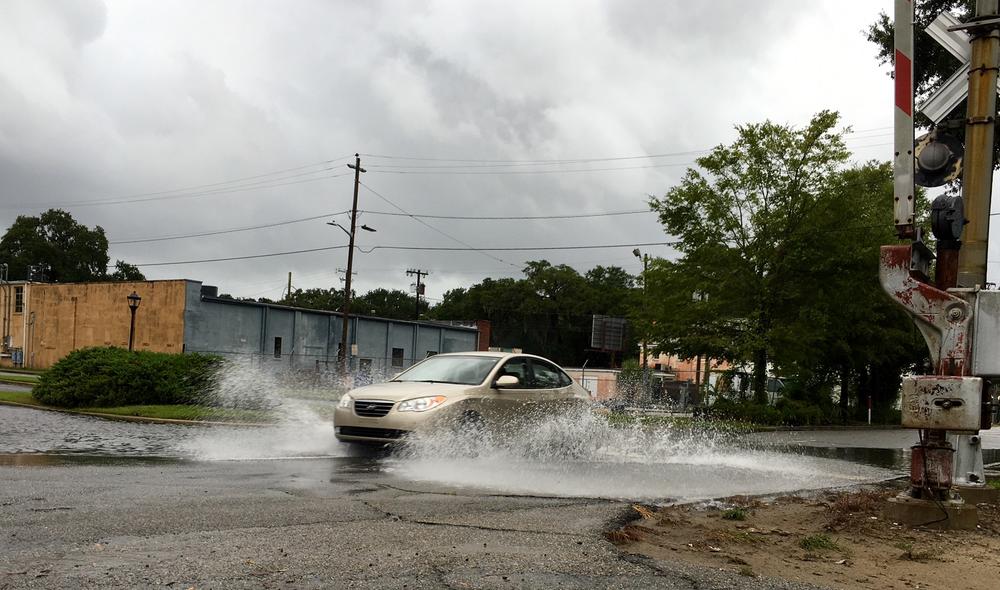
[(507, 382)]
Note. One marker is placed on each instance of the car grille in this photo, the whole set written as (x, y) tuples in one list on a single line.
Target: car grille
[(372, 408), (370, 432)]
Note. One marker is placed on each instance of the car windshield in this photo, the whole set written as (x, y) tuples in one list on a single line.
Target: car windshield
[(466, 370)]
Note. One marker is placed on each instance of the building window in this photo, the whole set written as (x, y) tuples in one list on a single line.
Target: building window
[(18, 299), (277, 347), (397, 357)]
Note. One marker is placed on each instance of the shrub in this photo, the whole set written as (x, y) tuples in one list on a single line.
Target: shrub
[(104, 377), (818, 543), (786, 412), (736, 513)]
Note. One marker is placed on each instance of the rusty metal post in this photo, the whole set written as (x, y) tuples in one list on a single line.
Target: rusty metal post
[(977, 178)]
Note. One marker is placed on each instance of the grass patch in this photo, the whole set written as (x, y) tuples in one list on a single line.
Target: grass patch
[(685, 422), (28, 379), (739, 537), (21, 397), (736, 513), (160, 412), (910, 554), (994, 483), (816, 543), (186, 412)]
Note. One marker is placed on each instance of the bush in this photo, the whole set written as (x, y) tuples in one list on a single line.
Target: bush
[(785, 412), (104, 377)]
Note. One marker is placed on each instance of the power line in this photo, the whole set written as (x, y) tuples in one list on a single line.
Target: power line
[(513, 217), (134, 197), (422, 222), (419, 248), (388, 213), (227, 190), (225, 231)]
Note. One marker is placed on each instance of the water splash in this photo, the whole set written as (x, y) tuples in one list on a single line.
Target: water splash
[(581, 454), (299, 408)]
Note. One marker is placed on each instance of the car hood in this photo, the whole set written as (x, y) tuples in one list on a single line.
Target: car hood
[(401, 390)]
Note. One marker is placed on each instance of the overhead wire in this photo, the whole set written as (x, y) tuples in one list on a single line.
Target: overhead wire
[(219, 191), (225, 231), (387, 213), (418, 248), (422, 222)]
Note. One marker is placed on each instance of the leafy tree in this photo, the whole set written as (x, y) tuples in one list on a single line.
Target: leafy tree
[(71, 251), (386, 303), (779, 254), (126, 272), (547, 312), (736, 219), (316, 298)]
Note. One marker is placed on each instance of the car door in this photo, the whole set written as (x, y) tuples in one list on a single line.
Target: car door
[(553, 388), (511, 403)]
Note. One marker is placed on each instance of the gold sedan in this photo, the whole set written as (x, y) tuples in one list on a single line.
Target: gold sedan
[(461, 389)]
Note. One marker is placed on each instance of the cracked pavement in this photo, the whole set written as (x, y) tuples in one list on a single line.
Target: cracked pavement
[(319, 523)]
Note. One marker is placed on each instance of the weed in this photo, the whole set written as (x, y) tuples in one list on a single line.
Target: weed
[(820, 542), (747, 571), (736, 513), (741, 537), (910, 554)]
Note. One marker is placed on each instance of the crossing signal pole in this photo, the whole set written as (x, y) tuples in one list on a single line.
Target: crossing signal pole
[(957, 317), (420, 287)]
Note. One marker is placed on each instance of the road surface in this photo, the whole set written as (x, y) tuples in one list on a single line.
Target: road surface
[(92, 503)]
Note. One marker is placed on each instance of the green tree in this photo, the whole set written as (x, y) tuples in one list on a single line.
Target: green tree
[(844, 329), (126, 272), (71, 251), (316, 298), (386, 303), (548, 312), (736, 218), (779, 243)]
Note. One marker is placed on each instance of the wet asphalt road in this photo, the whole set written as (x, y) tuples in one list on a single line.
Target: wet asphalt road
[(87, 503)]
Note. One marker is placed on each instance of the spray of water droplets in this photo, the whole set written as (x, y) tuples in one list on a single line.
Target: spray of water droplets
[(298, 405), (576, 453), (582, 454)]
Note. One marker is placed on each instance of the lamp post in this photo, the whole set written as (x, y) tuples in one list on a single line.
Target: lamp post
[(342, 355), (133, 304), (645, 262)]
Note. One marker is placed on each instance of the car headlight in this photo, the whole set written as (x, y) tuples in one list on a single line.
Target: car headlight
[(345, 401), (421, 404)]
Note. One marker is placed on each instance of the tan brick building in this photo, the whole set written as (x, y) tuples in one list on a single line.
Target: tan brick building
[(44, 322)]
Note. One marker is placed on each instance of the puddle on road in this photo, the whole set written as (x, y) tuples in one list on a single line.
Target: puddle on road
[(578, 455), (584, 456)]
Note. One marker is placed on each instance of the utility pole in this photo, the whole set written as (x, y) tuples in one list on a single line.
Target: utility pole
[(980, 121), (419, 290), (289, 292), (342, 354)]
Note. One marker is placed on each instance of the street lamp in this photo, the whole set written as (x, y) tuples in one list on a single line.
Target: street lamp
[(645, 262), (133, 304), (345, 312)]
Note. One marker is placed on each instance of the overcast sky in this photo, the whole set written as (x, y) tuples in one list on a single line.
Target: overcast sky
[(155, 119)]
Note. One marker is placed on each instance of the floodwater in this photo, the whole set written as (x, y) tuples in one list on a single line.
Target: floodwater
[(578, 455)]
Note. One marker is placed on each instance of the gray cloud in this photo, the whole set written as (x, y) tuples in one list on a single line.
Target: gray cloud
[(124, 98)]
